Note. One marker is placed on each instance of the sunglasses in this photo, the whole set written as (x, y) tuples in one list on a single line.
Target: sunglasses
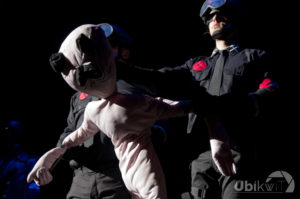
[(219, 16)]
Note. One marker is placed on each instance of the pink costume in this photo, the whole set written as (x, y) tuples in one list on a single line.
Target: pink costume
[(126, 119)]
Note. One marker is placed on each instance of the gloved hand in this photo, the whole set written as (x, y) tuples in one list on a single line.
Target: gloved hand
[(41, 170), (220, 147), (222, 157)]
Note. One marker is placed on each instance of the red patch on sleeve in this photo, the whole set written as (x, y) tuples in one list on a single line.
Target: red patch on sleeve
[(265, 84), (82, 96), (200, 65)]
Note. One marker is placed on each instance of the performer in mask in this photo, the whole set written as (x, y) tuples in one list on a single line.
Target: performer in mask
[(85, 60)]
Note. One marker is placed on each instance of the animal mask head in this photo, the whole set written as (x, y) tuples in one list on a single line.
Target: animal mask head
[(86, 61)]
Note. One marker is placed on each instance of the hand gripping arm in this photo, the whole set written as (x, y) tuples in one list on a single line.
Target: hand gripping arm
[(41, 170)]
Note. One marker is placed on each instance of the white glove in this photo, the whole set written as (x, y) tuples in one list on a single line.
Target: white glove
[(40, 172), (222, 157), (220, 147)]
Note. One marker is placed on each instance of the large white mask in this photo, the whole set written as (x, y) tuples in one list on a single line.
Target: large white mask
[(86, 61)]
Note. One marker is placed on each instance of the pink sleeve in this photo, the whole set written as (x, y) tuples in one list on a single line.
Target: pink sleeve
[(87, 129)]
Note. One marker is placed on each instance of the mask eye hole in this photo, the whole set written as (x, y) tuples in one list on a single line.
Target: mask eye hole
[(60, 63), (85, 72), (84, 44)]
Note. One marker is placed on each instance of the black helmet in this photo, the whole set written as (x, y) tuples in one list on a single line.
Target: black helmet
[(229, 8)]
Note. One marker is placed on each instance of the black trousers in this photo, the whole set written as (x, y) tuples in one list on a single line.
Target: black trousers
[(88, 184), (252, 172), (207, 181)]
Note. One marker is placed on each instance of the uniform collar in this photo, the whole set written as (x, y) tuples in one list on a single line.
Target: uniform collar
[(233, 49)]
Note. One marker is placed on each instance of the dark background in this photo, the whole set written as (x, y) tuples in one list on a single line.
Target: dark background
[(164, 33)]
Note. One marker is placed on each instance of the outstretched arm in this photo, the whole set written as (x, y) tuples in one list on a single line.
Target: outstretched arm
[(41, 170), (161, 82), (168, 108)]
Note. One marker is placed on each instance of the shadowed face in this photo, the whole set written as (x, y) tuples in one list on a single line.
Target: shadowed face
[(218, 24)]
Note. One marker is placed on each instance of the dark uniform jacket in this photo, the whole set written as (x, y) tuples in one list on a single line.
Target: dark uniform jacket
[(247, 87)]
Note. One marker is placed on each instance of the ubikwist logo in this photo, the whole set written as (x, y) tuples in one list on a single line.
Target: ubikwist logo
[(277, 182)]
